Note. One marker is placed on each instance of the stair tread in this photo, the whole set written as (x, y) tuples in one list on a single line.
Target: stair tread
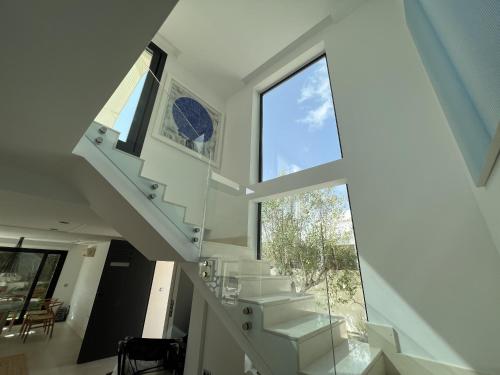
[(261, 277), (352, 357), (276, 299), (304, 327)]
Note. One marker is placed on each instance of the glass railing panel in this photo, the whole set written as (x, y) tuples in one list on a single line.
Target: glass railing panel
[(286, 285), (119, 110), (105, 140), (343, 282)]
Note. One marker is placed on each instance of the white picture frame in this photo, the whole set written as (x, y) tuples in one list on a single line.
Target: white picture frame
[(165, 124)]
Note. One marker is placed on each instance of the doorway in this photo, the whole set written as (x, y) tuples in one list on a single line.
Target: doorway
[(121, 302)]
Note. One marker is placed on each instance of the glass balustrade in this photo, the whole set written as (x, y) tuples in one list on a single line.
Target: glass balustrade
[(105, 140), (286, 270)]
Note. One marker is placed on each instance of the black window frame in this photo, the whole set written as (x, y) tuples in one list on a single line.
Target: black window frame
[(261, 128), (142, 116), (55, 277)]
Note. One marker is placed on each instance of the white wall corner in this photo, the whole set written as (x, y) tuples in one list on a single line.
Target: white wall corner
[(396, 363), (384, 337)]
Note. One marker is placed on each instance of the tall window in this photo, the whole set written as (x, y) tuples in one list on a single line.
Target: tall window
[(298, 123), (309, 236), (129, 109)]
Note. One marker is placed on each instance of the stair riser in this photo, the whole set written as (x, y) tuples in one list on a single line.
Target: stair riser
[(279, 313), (251, 288), (249, 269), (315, 347)]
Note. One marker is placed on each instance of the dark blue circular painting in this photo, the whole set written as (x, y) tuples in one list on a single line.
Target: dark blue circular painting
[(192, 119)]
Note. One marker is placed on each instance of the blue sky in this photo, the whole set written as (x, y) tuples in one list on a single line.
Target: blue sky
[(126, 116), (299, 125)]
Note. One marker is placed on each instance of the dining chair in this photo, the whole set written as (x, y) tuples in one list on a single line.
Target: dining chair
[(42, 309), (40, 319)]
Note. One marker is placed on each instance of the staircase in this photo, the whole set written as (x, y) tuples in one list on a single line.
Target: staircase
[(291, 336), (279, 329), (112, 182)]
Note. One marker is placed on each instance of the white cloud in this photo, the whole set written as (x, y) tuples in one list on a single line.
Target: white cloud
[(285, 167), (316, 94)]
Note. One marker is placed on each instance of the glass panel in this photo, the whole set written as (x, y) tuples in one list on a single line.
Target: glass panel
[(119, 110), (43, 283), (131, 166), (299, 128), (267, 299), (309, 236), (17, 273)]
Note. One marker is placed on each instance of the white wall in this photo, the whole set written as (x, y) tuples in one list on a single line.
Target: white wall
[(184, 174), (429, 264), (69, 274), (86, 289), (488, 198), (210, 346), (219, 345), (158, 300)]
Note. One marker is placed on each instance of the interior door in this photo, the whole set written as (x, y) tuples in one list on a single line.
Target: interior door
[(121, 302)]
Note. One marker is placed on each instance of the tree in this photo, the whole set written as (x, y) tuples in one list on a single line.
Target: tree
[(305, 236)]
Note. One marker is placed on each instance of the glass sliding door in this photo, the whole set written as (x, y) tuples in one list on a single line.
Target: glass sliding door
[(18, 271), (45, 281), (27, 276)]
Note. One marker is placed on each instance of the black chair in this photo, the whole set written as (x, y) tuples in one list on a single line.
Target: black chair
[(140, 356)]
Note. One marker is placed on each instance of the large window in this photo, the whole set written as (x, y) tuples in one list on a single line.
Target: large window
[(309, 237), (129, 109), (298, 123)]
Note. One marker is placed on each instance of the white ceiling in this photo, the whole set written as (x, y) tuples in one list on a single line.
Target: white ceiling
[(35, 212), (226, 40), (60, 62)]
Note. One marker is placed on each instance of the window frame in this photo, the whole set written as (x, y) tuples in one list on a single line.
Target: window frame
[(55, 276), (273, 86), (142, 115), (261, 131)]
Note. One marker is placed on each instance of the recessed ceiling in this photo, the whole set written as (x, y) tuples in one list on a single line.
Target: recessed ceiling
[(229, 39)]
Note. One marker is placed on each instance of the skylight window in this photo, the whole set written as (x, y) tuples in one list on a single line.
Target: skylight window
[(298, 123)]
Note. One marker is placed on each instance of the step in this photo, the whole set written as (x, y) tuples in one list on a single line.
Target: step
[(288, 310), (248, 268), (280, 308), (352, 358), (254, 286), (312, 334), (276, 299)]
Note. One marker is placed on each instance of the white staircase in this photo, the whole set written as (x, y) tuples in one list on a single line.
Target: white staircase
[(291, 336), (112, 182)]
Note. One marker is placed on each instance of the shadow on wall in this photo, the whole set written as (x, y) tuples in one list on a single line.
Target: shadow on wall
[(447, 322)]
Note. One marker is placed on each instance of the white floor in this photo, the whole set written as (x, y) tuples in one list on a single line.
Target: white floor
[(56, 356)]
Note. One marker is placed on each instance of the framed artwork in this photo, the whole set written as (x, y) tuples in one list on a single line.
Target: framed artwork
[(191, 125)]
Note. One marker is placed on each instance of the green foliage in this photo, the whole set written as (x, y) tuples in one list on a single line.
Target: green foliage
[(305, 236)]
